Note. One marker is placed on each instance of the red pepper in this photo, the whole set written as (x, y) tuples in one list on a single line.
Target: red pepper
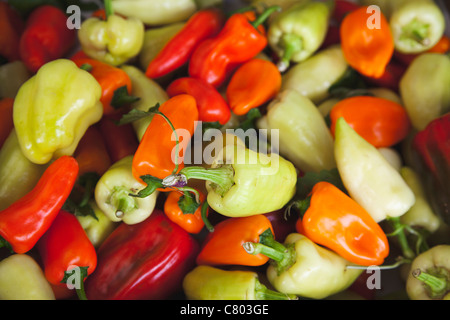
[(46, 37), (6, 122), (24, 222), (202, 25), (391, 77), (11, 28), (342, 8), (211, 105), (64, 246), (238, 41), (147, 260)]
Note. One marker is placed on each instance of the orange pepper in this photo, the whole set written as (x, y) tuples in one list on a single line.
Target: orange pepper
[(6, 116), (381, 122), (339, 223), (253, 84), (367, 49)]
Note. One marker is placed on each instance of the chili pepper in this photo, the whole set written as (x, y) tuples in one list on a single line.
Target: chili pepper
[(115, 84), (301, 267), (51, 125), (211, 105), (369, 179), (254, 83), (381, 122), (201, 25), (296, 33), (391, 77), (11, 26), (282, 224), (18, 175), (147, 261), (342, 8), (64, 248), (12, 76), (21, 278), (304, 137), (429, 277), (7, 125), (239, 41), (416, 25), (149, 92), (46, 37), (314, 77), (366, 49), (424, 88), (112, 194), (38, 207), (153, 13), (210, 283), (224, 245)]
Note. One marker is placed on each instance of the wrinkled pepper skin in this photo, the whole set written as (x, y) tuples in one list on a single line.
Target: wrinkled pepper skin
[(145, 261), (21, 278), (51, 125)]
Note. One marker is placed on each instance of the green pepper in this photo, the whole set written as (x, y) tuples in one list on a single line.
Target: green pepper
[(298, 32), (12, 76), (368, 177), (424, 88), (21, 278), (304, 137), (314, 76), (210, 283), (112, 194), (429, 278), (54, 108)]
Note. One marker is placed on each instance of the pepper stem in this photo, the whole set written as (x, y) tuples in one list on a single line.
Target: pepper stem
[(264, 16), (204, 212), (416, 31), (438, 285), (108, 8), (401, 236), (263, 293), (120, 198), (290, 43)]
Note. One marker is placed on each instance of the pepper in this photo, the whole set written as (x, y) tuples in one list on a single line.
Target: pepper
[(12, 76), (333, 219), (146, 261), (424, 88), (21, 278), (430, 275), (367, 48), (303, 268), (223, 246), (7, 123), (66, 250), (304, 137), (39, 207), (178, 50), (51, 125), (253, 84), (442, 46), (11, 26), (115, 40), (239, 41), (297, 32), (381, 122), (112, 194), (368, 177), (210, 283), (212, 107), (46, 37)]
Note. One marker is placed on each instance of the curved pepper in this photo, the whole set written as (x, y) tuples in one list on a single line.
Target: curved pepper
[(39, 207), (51, 125), (209, 283), (297, 32)]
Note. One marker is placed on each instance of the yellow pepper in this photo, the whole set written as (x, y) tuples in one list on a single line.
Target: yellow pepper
[(54, 108)]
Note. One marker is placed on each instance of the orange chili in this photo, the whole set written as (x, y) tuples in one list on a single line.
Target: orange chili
[(336, 221), (382, 122), (6, 116), (253, 84), (368, 49)]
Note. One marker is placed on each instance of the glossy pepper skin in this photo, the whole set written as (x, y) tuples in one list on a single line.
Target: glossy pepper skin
[(39, 207), (146, 261), (51, 125), (202, 25), (337, 222)]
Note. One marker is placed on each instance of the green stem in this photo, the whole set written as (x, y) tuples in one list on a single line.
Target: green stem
[(416, 31), (291, 44), (401, 236), (121, 199), (263, 293), (263, 16), (204, 212), (437, 285), (108, 8), (259, 248), (81, 293)]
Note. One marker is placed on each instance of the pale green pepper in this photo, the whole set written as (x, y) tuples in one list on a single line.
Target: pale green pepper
[(112, 194), (18, 175), (12, 76), (54, 108), (314, 76), (303, 268), (424, 88), (304, 137), (21, 278), (368, 177), (298, 32)]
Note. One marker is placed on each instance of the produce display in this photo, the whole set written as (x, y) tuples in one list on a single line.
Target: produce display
[(224, 150)]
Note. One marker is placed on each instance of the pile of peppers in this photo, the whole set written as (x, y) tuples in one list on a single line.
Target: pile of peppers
[(103, 195)]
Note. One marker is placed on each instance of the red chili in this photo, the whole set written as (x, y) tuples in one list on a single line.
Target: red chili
[(11, 28)]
